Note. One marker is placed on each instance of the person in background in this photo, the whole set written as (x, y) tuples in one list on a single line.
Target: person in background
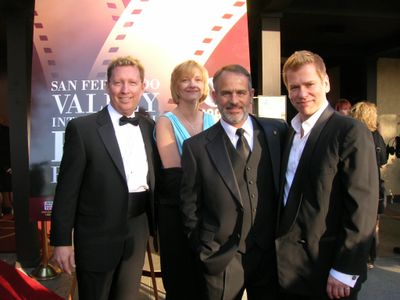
[(343, 106), (328, 201), (229, 193), (189, 88), (366, 112), (105, 191)]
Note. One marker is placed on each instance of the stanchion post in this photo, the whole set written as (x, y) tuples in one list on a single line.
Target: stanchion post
[(152, 272), (45, 270), (72, 290)]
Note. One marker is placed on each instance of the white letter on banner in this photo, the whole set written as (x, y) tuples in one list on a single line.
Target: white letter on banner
[(149, 100), (58, 145)]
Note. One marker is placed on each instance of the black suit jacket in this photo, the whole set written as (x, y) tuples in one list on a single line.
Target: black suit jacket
[(92, 194), (327, 221), (210, 197)]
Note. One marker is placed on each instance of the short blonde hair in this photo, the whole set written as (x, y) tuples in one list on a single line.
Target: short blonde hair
[(301, 58), (187, 68), (366, 112), (123, 61)]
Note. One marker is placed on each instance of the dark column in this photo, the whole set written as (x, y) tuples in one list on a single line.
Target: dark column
[(372, 80), (19, 59), (254, 22), (353, 79)]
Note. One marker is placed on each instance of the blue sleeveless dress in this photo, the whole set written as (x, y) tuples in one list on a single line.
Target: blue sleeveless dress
[(181, 134), (177, 260)]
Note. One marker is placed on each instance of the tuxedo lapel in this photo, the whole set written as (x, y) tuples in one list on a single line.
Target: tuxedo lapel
[(290, 211), (272, 137), (285, 159), (107, 134), (286, 152), (308, 151), (220, 157), (147, 133)]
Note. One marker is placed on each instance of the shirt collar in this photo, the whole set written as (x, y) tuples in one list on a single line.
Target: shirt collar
[(308, 124), (231, 130), (115, 115)]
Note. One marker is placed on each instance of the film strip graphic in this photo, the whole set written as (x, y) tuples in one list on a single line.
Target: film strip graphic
[(52, 24), (45, 47), (219, 30), (72, 43), (208, 22), (118, 36), (116, 8)]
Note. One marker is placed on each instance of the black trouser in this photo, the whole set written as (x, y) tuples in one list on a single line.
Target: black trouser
[(123, 282), (284, 296), (178, 267), (254, 271)]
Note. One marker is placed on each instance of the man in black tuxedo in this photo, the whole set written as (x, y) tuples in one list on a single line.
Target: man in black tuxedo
[(229, 194), (329, 191), (105, 191)]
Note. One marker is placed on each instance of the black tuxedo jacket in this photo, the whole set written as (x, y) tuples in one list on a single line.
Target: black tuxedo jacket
[(210, 197), (328, 218), (91, 197)]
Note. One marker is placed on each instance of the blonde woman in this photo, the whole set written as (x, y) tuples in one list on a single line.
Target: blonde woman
[(366, 112), (189, 88)]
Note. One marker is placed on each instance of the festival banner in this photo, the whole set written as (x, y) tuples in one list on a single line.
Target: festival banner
[(75, 40)]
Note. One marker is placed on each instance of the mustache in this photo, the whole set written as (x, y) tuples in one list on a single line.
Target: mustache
[(233, 106)]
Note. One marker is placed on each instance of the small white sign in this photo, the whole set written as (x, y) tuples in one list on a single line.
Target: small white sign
[(271, 106), (47, 205)]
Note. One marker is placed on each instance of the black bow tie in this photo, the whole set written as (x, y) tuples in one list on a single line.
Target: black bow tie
[(125, 120)]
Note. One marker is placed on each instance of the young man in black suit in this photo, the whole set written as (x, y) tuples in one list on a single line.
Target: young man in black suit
[(229, 194), (328, 199), (105, 191)]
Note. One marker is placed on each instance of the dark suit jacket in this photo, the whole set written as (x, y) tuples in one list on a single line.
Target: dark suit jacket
[(210, 197), (92, 194), (327, 221)]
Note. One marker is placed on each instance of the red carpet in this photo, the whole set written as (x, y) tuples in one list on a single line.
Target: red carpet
[(7, 235), (15, 285)]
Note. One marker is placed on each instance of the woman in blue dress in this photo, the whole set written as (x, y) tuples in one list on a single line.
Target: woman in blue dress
[(189, 88)]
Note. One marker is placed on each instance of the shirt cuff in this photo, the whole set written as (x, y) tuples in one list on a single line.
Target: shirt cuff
[(347, 279)]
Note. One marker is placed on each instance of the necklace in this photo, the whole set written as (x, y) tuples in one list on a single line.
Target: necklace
[(188, 122)]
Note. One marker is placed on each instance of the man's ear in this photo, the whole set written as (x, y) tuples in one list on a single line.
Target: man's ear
[(214, 96), (327, 84)]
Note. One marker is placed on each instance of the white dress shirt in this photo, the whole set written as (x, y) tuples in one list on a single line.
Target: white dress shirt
[(303, 130), (233, 137), (133, 152)]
